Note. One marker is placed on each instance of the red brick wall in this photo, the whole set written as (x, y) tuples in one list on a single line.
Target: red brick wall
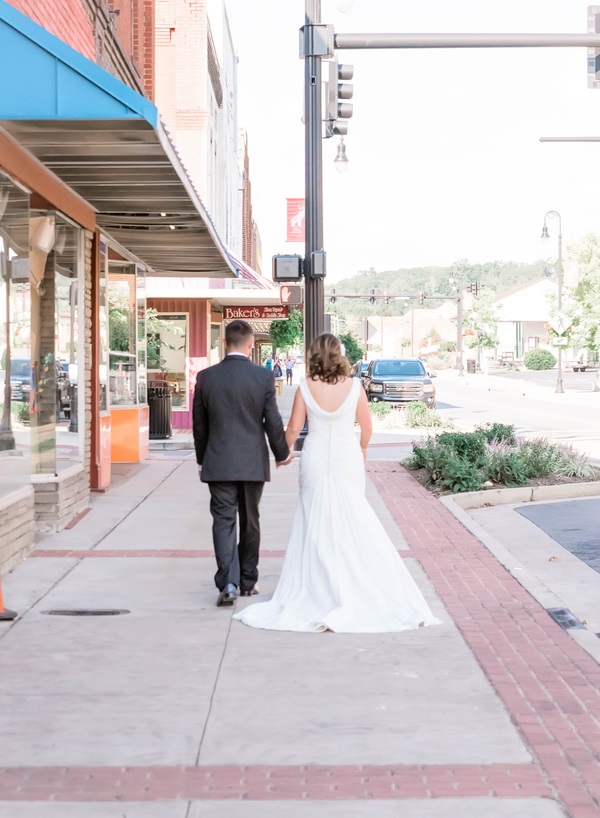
[(66, 19)]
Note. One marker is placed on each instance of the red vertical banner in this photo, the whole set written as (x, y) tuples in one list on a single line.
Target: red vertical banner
[(295, 219)]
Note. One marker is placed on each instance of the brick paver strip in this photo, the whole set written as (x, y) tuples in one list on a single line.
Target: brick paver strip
[(148, 552), (262, 783), (548, 683)]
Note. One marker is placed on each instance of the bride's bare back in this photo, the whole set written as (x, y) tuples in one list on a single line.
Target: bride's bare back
[(329, 396)]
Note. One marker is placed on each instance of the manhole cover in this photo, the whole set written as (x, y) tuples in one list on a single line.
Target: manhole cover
[(86, 612), (565, 618)]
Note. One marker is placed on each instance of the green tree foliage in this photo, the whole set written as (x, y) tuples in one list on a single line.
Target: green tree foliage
[(354, 351), (495, 276), (481, 323), (583, 304), (287, 334)]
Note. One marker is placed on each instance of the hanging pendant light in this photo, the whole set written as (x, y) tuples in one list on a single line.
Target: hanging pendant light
[(341, 160)]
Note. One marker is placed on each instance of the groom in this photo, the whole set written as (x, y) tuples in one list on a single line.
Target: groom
[(234, 407)]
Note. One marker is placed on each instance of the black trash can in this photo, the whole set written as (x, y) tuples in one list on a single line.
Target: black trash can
[(159, 405), (471, 366)]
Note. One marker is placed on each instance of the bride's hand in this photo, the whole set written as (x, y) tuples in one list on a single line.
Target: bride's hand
[(364, 452)]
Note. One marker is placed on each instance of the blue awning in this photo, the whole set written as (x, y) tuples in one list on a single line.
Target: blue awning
[(107, 143)]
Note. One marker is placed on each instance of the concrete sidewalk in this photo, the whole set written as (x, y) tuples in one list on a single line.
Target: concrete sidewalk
[(173, 710)]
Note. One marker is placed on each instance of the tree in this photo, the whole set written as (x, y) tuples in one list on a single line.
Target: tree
[(354, 351), (289, 333), (583, 304), (481, 325)]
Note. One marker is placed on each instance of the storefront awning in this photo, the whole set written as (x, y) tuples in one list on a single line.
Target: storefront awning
[(107, 143)]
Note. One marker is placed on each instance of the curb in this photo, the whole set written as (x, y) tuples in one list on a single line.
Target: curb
[(523, 494)]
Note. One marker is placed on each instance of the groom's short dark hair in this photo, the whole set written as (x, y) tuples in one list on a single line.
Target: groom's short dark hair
[(237, 333)]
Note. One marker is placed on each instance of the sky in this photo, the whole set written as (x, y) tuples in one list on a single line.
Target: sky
[(444, 150)]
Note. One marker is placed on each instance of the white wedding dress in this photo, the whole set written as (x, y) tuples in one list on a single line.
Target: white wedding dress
[(341, 571)]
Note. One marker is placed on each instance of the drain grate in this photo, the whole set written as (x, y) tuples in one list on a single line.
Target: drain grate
[(86, 612), (565, 618)]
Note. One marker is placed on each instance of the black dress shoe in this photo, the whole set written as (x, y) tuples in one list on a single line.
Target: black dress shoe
[(228, 595), (253, 592)]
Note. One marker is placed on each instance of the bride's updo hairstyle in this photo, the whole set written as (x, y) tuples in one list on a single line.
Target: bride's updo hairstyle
[(325, 359)]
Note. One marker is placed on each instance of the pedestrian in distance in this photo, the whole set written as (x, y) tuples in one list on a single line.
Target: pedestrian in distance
[(269, 363), (234, 408), (277, 371), (289, 369), (341, 570)]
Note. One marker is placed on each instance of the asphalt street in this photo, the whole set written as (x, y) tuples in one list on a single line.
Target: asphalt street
[(529, 403)]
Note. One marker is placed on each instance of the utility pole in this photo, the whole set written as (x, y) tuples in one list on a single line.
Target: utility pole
[(314, 290), (459, 331)]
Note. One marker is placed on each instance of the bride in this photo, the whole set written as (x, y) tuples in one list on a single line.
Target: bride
[(341, 571)]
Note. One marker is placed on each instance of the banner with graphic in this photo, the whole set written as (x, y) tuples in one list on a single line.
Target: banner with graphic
[(295, 219)]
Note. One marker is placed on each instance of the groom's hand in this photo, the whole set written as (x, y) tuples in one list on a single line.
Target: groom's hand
[(200, 471), (285, 462)]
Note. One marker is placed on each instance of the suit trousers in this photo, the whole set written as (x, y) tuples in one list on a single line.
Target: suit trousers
[(237, 561)]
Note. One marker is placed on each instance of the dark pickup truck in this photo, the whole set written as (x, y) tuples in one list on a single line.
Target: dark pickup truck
[(399, 380)]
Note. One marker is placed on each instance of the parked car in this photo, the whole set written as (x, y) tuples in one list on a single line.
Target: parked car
[(358, 369), (399, 380), (20, 379), (20, 384)]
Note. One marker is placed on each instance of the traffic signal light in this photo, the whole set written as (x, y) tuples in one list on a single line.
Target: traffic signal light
[(386, 296), (473, 287), (332, 295), (421, 297), (336, 110), (372, 297)]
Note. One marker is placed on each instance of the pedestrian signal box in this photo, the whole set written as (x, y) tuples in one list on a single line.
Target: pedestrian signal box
[(288, 268), (290, 294)]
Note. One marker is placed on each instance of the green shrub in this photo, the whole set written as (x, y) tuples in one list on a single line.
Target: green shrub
[(459, 474), (503, 432), (505, 465), (418, 416), (540, 456), (539, 359), (468, 445), (571, 463), (429, 456), (380, 409)]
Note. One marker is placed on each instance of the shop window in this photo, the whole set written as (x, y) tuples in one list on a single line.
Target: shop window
[(103, 329), (15, 327), (168, 354), (215, 344), (127, 363), (56, 273)]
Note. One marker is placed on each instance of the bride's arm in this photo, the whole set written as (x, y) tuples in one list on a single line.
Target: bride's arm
[(297, 419), (363, 417)]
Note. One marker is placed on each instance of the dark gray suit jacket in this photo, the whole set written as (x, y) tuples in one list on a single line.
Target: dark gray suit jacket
[(234, 408)]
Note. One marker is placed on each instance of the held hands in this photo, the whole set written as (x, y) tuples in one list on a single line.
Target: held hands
[(284, 462)]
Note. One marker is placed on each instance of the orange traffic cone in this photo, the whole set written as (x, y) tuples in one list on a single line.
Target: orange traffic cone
[(5, 613)]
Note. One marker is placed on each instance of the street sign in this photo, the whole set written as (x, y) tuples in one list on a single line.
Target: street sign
[(365, 330), (560, 341), (560, 323)]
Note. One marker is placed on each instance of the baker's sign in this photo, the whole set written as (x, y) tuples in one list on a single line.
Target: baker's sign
[(277, 313)]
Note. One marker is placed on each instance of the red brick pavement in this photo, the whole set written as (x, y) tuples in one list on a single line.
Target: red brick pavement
[(261, 783), (549, 685)]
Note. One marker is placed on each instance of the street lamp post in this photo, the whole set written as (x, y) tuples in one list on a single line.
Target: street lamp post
[(456, 281), (553, 214)]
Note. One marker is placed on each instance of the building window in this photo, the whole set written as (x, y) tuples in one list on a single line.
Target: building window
[(15, 327), (168, 354), (56, 275), (126, 334)]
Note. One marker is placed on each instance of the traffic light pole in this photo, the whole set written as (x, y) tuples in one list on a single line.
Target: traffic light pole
[(314, 293)]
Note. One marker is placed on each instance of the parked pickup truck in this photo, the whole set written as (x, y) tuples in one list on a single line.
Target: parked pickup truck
[(577, 366), (399, 380)]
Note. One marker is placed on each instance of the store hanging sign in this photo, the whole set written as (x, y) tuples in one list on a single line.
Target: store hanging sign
[(274, 313)]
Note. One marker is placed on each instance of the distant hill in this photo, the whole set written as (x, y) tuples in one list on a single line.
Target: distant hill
[(495, 276)]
